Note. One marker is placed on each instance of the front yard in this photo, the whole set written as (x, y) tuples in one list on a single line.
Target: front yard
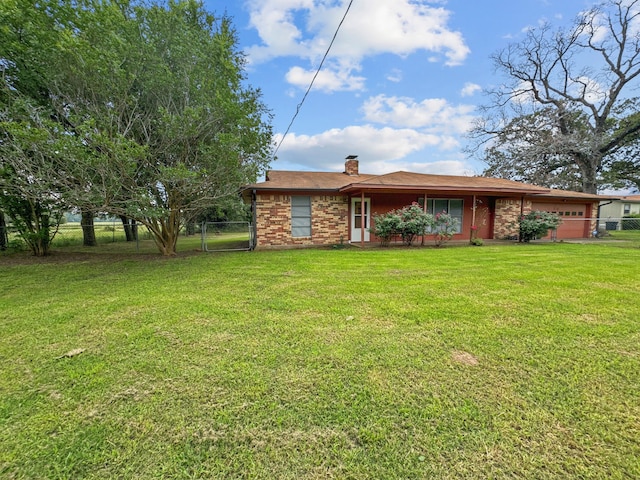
[(504, 361)]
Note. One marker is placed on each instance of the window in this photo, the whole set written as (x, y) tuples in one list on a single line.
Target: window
[(627, 209), (300, 216), (452, 206)]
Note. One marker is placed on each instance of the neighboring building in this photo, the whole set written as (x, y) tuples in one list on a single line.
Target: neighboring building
[(612, 212), (621, 207), (325, 208)]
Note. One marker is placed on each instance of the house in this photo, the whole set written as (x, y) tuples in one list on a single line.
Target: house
[(324, 208), (612, 212)]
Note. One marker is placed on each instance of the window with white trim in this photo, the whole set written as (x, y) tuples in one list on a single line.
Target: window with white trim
[(627, 209), (300, 216), (452, 206)]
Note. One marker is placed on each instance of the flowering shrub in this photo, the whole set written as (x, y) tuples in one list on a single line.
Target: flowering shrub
[(444, 227), (408, 222), (386, 226), (537, 224)]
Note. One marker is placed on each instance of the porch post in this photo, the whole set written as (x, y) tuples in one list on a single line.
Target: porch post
[(424, 209), (362, 218), (473, 212)]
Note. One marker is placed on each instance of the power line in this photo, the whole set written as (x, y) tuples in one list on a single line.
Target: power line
[(313, 79)]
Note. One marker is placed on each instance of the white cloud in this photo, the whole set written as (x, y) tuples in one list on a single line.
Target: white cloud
[(381, 150), (304, 29), (470, 89), (589, 89), (433, 115), (327, 80), (394, 76)]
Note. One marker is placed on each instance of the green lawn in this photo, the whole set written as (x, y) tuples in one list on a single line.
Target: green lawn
[(504, 361)]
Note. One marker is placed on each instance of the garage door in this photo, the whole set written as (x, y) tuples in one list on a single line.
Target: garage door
[(575, 221)]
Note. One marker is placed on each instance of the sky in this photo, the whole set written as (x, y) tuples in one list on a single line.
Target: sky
[(400, 85)]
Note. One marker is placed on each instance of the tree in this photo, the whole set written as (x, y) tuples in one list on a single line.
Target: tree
[(4, 234), (29, 54), (175, 127), (30, 148), (155, 97), (565, 113)]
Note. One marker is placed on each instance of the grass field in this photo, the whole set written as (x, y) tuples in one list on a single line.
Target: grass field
[(505, 361)]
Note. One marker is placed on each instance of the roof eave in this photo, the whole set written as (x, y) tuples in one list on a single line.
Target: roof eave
[(448, 188)]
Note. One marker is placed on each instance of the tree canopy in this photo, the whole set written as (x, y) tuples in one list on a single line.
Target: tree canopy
[(155, 98), (566, 116)]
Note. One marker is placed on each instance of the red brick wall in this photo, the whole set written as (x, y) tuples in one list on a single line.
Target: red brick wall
[(329, 220)]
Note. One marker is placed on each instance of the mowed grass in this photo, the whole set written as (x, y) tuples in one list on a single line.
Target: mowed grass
[(505, 361)]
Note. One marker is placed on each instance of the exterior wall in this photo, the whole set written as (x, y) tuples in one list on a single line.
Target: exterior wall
[(329, 220), (507, 212), (612, 210), (615, 209), (383, 203)]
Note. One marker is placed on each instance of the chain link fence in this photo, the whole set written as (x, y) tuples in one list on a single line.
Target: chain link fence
[(610, 224), (226, 236)]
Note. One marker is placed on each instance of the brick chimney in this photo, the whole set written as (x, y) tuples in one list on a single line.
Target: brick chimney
[(351, 165)]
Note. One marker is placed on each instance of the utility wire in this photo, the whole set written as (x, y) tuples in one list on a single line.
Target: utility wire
[(313, 79)]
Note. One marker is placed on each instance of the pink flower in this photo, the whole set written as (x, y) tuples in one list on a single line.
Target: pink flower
[(473, 227)]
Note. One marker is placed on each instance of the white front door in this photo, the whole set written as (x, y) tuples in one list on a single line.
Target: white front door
[(360, 216)]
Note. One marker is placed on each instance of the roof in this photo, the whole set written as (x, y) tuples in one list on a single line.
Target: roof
[(424, 181), (340, 182), (289, 180), (553, 193), (630, 198)]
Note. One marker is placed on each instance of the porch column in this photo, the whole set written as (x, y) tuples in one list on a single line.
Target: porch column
[(362, 218), (473, 212)]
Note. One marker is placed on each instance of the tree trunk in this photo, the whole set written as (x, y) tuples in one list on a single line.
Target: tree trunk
[(130, 228), (88, 230), (589, 171), (4, 236), (165, 232)]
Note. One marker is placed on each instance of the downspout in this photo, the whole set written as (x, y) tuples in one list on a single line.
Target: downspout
[(603, 205), (598, 215)]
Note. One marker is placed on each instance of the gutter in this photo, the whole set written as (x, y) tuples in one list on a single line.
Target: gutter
[(602, 205)]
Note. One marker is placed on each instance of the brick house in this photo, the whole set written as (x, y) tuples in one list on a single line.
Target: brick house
[(324, 208)]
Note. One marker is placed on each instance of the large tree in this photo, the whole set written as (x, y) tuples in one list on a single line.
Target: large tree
[(176, 98), (566, 111), (30, 150), (29, 59), (157, 94)]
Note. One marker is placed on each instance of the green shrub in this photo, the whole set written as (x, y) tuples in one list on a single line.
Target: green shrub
[(537, 224), (408, 222), (444, 227)]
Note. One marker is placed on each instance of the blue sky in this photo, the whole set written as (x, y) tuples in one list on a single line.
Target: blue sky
[(400, 85)]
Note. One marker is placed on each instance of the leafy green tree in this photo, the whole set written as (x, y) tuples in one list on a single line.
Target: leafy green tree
[(30, 150), (175, 97), (566, 107), (155, 96)]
